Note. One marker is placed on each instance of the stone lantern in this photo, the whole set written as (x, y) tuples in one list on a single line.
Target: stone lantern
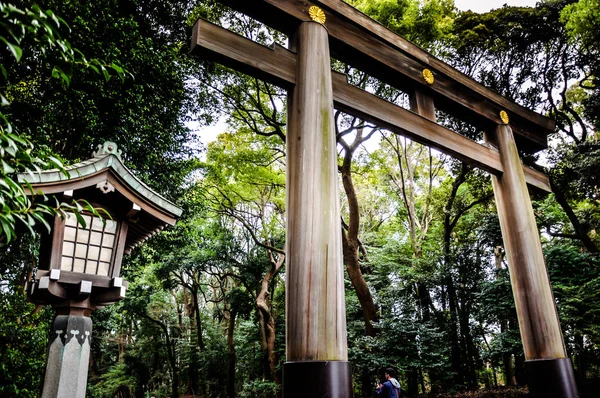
[(80, 260)]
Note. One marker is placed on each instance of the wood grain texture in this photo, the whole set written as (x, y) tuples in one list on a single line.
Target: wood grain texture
[(315, 304), (119, 249), (58, 232), (233, 50), (536, 310), (423, 105), (362, 42), (275, 65), (384, 114)]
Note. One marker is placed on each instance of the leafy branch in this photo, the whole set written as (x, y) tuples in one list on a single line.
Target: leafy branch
[(19, 204)]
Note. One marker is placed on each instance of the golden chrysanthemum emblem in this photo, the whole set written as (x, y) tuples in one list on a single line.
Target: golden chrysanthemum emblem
[(504, 117), (317, 15), (428, 76)]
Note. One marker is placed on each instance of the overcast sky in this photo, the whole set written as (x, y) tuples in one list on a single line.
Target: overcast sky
[(486, 5)]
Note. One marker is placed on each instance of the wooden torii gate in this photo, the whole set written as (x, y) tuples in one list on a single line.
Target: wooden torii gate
[(317, 360)]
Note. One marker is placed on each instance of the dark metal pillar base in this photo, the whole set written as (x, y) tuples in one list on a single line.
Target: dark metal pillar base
[(551, 378), (317, 379)]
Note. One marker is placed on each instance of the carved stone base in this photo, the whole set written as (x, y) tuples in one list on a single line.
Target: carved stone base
[(551, 378), (317, 379), (68, 357)]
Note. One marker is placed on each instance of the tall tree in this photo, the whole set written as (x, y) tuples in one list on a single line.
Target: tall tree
[(143, 114), (526, 55), (245, 182)]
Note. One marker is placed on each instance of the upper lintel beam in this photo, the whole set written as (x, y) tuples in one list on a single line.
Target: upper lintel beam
[(212, 41), (362, 42)]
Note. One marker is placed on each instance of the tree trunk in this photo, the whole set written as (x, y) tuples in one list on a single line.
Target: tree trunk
[(413, 382), (507, 355), (520, 375), (172, 361), (193, 313), (509, 377), (456, 364), (361, 288), (471, 352), (350, 249), (455, 353), (422, 381), (199, 337), (267, 322), (231, 355), (350, 246), (580, 230), (581, 358), (170, 354)]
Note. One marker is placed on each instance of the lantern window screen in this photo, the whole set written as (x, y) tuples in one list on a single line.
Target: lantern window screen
[(88, 250)]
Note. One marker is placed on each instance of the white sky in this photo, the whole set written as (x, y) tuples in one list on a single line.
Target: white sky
[(209, 133)]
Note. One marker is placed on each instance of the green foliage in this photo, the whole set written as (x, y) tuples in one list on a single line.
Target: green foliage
[(116, 380), (38, 30), (23, 340), (44, 75), (25, 327), (575, 280), (426, 23), (259, 389), (581, 20), (17, 206), (145, 114)]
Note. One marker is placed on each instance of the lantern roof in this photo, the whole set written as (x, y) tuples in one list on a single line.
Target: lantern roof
[(105, 181)]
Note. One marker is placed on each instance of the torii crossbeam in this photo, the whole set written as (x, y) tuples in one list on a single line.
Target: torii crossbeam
[(315, 312)]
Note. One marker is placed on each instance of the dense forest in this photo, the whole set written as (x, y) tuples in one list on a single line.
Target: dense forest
[(427, 284)]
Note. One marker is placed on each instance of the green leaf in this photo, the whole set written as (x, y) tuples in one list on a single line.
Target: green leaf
[(40, 218), (16, 51), (14, 186), (119, 70), (54, 18), (18, 139), (12, 151), (59, 74), (7, 227), (80, 219), (58, 164), (26, 223), (6, 168), (105, 73)]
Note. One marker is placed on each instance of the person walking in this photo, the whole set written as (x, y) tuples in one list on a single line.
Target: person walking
[(390, 388)]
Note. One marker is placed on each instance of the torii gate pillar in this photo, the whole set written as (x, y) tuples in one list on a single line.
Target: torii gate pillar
[(549, 369), (316, 346)]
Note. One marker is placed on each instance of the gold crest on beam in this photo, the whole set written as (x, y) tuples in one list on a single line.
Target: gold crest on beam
[(504, 117), (428, 76), (317, 15)]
